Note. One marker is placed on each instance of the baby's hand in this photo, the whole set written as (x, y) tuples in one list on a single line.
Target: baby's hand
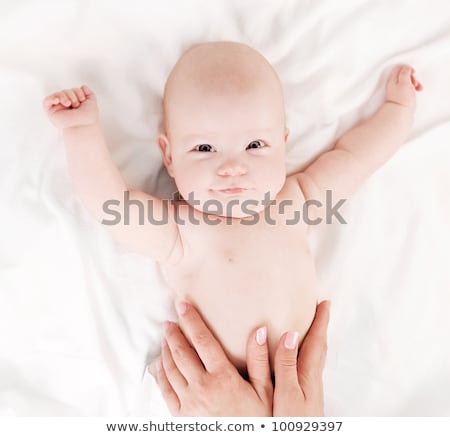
[(70, 108), (401, 87)]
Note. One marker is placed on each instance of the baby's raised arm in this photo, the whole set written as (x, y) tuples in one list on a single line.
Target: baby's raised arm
[(97, 180), (366, 147)]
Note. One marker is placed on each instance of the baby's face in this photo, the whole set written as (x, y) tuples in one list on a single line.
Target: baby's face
[(224, 148)]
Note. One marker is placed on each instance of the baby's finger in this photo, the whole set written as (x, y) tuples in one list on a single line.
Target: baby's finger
[(49, 101), (405, 73), (394, 75), (73, 98), (63, 98), (417, 85), (56, 108), (79, 93), (87, 91)]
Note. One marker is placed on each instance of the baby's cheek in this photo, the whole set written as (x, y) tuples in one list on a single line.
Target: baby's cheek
[(275, 177), (189, 181)]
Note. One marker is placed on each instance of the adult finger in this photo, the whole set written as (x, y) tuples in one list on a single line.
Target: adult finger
[(311, 359), (208, 348), (176, 379), (184, 356), (169, 395), (285, 361), (258, 365)]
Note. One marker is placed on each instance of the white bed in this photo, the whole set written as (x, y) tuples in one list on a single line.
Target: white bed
[(81, 316)]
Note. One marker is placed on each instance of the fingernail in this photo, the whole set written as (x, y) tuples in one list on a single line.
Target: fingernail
[(154, 367), (151, 368), (181, 308), (261, 335), (291, 340), (166, 325)]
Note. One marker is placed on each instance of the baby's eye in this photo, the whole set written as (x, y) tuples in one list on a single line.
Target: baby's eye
[(203, 148), (257, 144)]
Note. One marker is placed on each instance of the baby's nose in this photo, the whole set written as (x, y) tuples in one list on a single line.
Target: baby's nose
[(232, 168)]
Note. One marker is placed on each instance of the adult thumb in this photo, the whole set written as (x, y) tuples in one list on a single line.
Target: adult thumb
[(258, 365), (285, 361)]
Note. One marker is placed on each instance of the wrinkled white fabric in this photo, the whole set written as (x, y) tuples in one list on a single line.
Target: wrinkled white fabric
[(80, 316)]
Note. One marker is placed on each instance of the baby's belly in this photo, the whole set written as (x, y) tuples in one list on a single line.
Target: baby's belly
[(235, 296)]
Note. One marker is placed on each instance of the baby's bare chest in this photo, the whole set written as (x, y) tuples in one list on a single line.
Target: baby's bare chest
[(235, 264), (256, 259)]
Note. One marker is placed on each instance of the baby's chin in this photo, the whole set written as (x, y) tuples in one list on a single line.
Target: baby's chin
[(234, 206), (232, 211)]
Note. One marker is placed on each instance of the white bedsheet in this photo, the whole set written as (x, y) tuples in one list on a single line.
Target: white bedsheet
[(81, 316)]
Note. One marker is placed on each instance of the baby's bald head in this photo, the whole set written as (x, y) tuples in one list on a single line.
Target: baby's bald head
[(220, 70)]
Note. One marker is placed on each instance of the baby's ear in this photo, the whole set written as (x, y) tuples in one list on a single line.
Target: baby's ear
[(164, 147)]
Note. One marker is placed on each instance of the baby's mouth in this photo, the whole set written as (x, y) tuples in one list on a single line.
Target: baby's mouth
[(234, 190)]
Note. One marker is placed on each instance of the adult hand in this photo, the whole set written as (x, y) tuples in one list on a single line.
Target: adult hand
[(202, 381), (298, 379)]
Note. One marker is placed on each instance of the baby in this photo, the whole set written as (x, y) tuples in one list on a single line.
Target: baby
[(234, 245)]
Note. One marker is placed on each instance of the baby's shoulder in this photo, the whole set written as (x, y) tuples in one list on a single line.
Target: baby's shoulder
[(291, 190)]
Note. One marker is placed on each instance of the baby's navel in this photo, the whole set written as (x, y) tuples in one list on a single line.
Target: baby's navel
[(230, 257)]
